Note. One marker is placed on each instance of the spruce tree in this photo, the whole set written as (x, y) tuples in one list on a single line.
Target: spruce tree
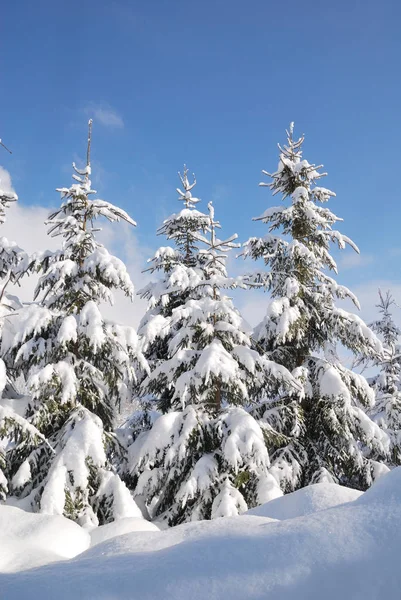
[(179, 272), (207, 457), (78, 366), (327, 434), (387, 384)]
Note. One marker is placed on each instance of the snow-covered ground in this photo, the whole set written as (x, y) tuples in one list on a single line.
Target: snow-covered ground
[(324, 541)]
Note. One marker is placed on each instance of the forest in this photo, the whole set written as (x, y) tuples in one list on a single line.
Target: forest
[(222, 418)]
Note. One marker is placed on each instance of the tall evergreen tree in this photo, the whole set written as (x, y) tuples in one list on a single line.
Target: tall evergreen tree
[(387, 385), (180, 270), (207, 457), (78, 366), (326, 432)]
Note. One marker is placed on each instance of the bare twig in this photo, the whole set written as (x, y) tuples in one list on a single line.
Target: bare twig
[(4, 146)]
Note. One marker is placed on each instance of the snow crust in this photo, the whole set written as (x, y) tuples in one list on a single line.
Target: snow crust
[(346, 551)]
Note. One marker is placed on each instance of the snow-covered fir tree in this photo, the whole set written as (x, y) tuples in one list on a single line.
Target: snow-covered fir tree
[(207, 457), (179, 271), (14, 429), (78, 367), (327, 434), (387, 384)]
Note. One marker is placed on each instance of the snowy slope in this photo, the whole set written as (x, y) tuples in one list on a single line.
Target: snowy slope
[(306, 501), (349, 551)]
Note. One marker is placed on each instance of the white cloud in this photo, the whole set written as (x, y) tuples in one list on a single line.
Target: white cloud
[(5, 181), (105, 115)]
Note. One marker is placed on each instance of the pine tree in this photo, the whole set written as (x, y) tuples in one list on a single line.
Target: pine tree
[(326, 432), (387, 385), (181, 271), (78, 366), (207, 457)]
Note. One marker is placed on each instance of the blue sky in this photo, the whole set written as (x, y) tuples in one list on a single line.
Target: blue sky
[(212, 83)]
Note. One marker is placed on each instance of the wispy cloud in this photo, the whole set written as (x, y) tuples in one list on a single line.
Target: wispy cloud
[(220, 192), (105, 115), (354, 261)]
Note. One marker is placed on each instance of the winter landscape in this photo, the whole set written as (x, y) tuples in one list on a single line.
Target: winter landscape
[(186, 411)]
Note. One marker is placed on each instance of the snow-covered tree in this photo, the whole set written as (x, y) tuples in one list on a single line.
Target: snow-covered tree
[(14, 429), (207, 457), (387, 384), (179, 271), (78, 366), (326, 431)]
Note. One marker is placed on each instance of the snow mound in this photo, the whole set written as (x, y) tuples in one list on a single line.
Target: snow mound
[(306, 501), (386, 490), (347, 551), (120, 527), (140, 542), (29, 540)]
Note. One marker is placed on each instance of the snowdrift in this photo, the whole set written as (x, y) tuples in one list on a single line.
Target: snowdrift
[(306, 501), (347, 551), (28, 540)]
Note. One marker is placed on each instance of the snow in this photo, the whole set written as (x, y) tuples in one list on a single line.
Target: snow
[(347, 551), (84, 441), (331, 384), (61, 371), (234, 449), (244, 438), (3, 376), (30, 540), (110, 268), (122, 526), (216, 361), (92, 325), (305, 501), (23, 475), (228, 502), (68, 330), (124, 505), (210, 458)]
